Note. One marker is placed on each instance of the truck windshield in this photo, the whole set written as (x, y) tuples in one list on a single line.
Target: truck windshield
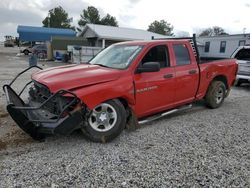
[(116, 56), (243, 54)]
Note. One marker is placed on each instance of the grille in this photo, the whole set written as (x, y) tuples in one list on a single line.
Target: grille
[(40, 93)]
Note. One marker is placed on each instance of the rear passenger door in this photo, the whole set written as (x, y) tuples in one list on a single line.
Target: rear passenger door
[(186, 72)]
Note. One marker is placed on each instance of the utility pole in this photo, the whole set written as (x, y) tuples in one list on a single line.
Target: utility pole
[(49, 19), (244, 30)]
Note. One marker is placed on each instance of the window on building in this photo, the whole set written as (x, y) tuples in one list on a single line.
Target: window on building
[(157, 54), (223, 46), (181, 54), (242, 43), (207, 46)]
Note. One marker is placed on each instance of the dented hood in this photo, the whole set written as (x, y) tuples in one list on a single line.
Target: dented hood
[(75, 76)]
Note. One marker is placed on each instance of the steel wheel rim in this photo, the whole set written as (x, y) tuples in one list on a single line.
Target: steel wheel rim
[(219, 95), (103, 117)]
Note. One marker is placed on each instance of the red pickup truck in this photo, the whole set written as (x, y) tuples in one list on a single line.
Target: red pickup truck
[(125, 84)]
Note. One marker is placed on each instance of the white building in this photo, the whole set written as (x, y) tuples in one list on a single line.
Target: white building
[(103, 36), (221, 46)]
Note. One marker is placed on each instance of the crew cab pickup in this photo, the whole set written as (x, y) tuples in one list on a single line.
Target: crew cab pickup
[(125, 84)]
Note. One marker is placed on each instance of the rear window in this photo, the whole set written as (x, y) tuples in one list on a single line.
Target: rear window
[(181, 54), (243, 54)]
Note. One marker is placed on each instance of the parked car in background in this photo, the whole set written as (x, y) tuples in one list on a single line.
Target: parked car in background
[(26, 50), (40, 51), (242, 54)]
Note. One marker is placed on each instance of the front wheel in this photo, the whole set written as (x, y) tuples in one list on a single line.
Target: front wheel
[(216, 94), (105, 122)]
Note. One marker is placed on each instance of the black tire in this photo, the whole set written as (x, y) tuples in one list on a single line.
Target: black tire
[(98, 134), (26, 52), (215, 94)]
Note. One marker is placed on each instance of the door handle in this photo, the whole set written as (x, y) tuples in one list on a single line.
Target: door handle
[(192, 71), (168, 76)]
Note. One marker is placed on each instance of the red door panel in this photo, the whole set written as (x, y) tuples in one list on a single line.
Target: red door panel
[(186, 71), (187, 78), (154, 91)]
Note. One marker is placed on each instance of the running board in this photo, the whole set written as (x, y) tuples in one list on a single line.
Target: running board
[(157, 116)]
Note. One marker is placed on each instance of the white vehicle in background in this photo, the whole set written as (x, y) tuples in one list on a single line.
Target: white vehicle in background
[(26, 50), (242, 54), (37, 49)]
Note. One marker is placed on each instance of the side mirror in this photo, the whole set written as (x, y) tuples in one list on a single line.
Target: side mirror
[(149, 67)]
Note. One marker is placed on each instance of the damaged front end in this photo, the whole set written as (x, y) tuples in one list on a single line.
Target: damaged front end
[(44, 112)]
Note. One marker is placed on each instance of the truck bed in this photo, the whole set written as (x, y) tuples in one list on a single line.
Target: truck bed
[(225, 68)]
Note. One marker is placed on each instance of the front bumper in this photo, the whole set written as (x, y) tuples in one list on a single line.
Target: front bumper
[(244, 77), (36, 120)]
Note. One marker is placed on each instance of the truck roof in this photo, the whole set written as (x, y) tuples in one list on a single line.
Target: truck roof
[(146, 42), (191, 40)]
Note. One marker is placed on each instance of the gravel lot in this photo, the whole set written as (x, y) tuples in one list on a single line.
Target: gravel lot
[(198, 147)]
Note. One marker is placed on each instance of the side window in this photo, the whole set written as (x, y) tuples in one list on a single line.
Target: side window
[(207, 46), (157, 54), (242, 43), (181, 54), (223, 46)]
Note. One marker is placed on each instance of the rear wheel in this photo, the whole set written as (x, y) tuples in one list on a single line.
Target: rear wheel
[(216, 94), (26, 52), (106, 121)]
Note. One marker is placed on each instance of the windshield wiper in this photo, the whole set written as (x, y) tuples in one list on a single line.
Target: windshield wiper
[(101, 65)]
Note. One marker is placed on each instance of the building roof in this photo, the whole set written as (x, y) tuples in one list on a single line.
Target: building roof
[(118, 33), (221, 36), (39, 34)]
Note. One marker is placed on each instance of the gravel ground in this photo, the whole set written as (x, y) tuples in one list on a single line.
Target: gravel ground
[(198, 147)]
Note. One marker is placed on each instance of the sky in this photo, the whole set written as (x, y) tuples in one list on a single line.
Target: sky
[(185, 15)]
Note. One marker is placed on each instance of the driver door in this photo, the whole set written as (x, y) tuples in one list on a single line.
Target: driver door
[(155, 90)]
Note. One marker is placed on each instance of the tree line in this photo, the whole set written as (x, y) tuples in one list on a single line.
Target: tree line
[(59, 18)]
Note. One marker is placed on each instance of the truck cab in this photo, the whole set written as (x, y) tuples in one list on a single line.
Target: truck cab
[(174, 84)]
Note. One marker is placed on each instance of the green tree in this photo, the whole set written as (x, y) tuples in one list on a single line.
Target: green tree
[(89, 15), (161, 27), (92, 15), (57, 18), (213, 31), (109, 20)]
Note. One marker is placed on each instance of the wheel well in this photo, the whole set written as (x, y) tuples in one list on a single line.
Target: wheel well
[(126, 106), (221, 78), (131, 120), (124, 102)]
